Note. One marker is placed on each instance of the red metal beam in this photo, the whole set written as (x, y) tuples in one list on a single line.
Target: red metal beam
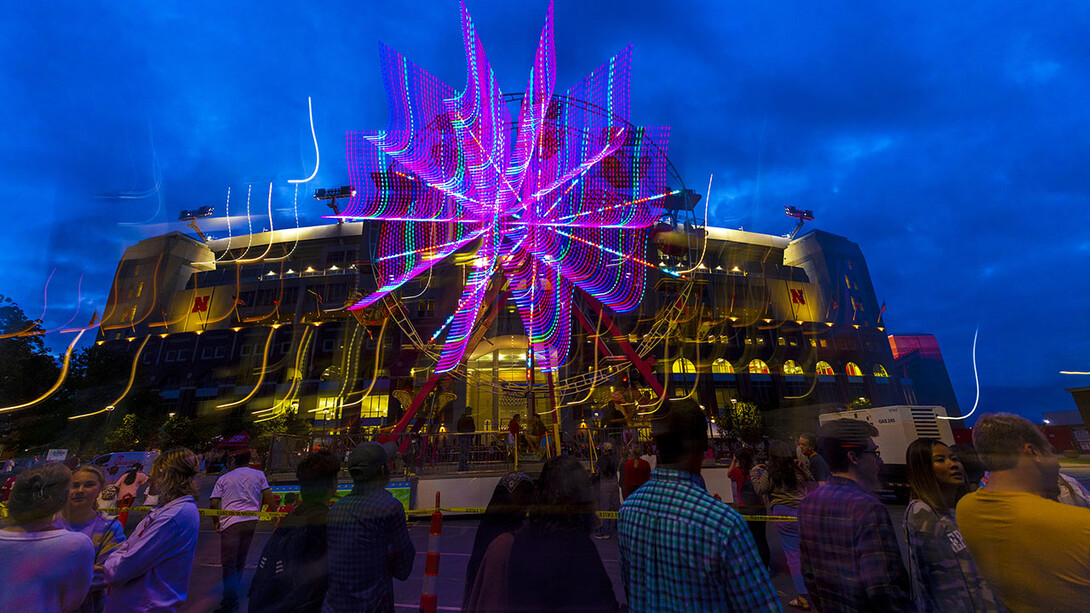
[(591, 332), (418, 401), (641, 365)]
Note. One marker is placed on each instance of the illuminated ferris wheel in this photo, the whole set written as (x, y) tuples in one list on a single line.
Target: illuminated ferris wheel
[(549, 209)]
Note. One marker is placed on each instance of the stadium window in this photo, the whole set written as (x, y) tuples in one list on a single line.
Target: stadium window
[(758, 367), (880, 371), (791, 368), (682, 366), (852, 369), (813, 342), (782, 341), (823, 368), (722, 367), (749, 340)]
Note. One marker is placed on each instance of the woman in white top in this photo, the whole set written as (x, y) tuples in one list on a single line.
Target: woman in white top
[(150, 571), (81, 515), (45, 568)]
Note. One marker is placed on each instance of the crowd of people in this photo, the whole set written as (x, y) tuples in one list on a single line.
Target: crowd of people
[(1012, 534)]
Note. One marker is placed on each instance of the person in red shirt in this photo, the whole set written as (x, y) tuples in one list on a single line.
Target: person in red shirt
[(636, 472)]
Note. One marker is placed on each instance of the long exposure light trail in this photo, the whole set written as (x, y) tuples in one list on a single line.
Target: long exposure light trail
[(56, 386), (128, 386), (260, 377), (317, 154)]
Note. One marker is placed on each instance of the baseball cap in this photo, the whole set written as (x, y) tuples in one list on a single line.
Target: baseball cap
[(368, 458)]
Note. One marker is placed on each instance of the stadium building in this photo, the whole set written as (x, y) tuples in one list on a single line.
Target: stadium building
[(259, 323)]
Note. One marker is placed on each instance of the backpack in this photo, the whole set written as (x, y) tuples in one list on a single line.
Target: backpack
[(280, 582)]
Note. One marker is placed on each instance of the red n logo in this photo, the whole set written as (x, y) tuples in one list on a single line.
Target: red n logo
[(200, 304), (798, 297)]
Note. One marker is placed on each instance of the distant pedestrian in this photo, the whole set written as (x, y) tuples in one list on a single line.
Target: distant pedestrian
[(784, 481), (944, 576), (80, 515), (681, 549), (150, 570), (636, 472), (514, 429), (466, 427), (43, 567), (815, 464), (240, 489), (748, 502), (553, 564), (505, 515), (851, 560), (293, 571), (609, 495), (535, 432), (1031, 550), (368, 539)]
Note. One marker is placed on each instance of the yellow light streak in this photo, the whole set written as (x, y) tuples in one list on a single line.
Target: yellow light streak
[(260, 378), (132, 377), (56, 386)]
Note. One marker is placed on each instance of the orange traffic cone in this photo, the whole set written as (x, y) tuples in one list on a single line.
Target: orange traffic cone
[(429, 598)]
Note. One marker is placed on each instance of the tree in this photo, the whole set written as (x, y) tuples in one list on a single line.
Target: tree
[(860, 403), (126, 436), (746, 418), (27, 370), (178, 431), (289, 423)]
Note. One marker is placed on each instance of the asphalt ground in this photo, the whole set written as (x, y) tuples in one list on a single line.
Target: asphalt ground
[(205, 587)]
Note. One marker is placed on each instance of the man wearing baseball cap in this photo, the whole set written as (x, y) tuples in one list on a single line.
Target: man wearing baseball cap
[(368, 540)]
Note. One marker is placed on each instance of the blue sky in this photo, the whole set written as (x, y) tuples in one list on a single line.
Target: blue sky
[(948, 139)]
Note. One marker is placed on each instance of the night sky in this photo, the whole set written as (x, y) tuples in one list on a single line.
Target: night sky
[(949, 140)]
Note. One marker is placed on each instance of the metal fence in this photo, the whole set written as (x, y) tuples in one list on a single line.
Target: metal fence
[(438, 453)]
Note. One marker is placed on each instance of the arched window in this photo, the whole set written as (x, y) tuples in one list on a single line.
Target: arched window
[(758, 367), (880, 371), (721, 367), (852, 369), (791, 368), (823, 368), (683, 366)]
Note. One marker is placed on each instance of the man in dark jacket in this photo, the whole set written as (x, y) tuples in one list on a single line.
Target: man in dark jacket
[(293, 571), (465, 427)]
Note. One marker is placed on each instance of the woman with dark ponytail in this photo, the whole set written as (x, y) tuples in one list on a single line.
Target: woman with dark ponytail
[(45, 568)]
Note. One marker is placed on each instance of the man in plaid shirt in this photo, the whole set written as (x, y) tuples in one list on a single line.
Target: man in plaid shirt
[(850, 557), (681, 549), (368, 540)]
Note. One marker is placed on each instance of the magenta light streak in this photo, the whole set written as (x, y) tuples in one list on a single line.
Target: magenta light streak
[(453, 170)]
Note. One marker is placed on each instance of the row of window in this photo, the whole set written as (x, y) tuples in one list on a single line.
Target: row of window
[(790, 367)]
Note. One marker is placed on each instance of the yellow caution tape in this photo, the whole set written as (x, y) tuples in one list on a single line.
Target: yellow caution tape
[(271, 515)]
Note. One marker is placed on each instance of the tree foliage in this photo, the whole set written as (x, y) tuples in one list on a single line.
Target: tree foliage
[(126, 436), (746, 419)]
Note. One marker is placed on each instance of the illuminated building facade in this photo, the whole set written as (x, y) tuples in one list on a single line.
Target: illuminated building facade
[(787, 324)]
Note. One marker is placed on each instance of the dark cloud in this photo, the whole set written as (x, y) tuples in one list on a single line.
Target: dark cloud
[(947, 139)]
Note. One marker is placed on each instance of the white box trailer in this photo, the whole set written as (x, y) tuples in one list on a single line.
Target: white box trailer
[(897, 427)]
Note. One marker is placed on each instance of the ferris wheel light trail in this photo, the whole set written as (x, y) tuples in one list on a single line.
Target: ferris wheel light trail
[(455, 167), (317, 154), (976, 377)]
